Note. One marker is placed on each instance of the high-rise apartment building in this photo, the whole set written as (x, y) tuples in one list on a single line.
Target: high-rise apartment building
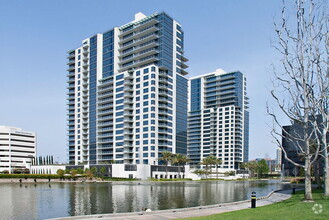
[(218, 118), (127, 93), (17, 147)]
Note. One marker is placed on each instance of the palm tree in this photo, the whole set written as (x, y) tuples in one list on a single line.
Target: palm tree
[(166, 157), (217, 163), (184, 160), (180, 160), (103, 171), (175, 160), (73, 173), (89, 174), (208, 161), (199, 172)]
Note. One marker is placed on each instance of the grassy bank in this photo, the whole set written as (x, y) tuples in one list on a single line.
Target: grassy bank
[(293, 208)]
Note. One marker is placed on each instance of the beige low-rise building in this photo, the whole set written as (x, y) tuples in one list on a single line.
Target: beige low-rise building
[(17, 148)]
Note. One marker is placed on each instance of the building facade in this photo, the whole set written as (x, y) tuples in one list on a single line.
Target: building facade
[(127, 93), (17, 148), (218, 118), (292, 146)]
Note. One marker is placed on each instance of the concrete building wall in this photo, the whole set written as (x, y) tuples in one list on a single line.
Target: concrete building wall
[(218, 120), (123, 82), (17, 148)]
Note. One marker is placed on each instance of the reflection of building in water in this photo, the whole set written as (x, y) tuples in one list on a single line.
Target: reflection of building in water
[(134, 196), (39, 201), (130, 197), (215, 192), (15, 197), (90, 198)]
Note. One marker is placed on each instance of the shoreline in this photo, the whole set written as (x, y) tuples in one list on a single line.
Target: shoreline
[(43, 180)]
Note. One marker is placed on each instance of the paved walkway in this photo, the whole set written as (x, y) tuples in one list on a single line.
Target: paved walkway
[(190, 212)]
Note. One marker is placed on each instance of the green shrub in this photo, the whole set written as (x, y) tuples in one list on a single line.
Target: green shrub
[(31, 176), (163, 179), (229, 173), (36, 176), (119, 179)]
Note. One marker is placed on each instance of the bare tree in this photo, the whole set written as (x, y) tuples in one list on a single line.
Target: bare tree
[(295, 86), (321, 57)]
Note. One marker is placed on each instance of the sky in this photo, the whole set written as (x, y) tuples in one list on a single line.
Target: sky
[(35, 36)]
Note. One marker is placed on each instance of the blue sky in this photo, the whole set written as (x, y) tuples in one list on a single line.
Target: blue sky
[(35, 35)]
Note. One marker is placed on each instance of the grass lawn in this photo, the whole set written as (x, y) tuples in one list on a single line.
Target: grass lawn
[(293, 208)]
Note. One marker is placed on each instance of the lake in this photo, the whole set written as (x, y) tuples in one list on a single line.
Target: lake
[(43, 200)]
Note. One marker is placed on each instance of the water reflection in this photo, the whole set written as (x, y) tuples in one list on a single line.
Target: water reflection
[(44, 200)]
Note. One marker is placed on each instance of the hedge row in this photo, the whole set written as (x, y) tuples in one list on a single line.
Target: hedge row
[(163, 179), (37, 176), (119, 179)]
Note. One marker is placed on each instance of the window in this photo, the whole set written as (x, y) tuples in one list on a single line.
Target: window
[(119, 77), (119, 83), (119, 89)]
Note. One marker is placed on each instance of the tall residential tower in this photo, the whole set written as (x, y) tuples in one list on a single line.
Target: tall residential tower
[(127, 93), (218, 119)]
